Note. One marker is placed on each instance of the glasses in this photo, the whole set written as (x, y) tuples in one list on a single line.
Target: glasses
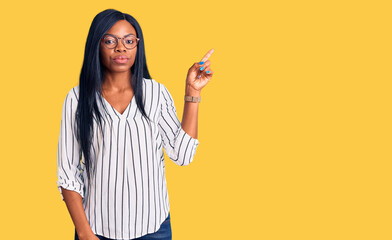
[(110, 41)]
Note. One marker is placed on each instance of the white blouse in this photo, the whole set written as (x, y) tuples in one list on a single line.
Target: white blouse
[(127, 197)]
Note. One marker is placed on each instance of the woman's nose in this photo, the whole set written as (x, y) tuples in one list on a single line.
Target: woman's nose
[(120, 47)]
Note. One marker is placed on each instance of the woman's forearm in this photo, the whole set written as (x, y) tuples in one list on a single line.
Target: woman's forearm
[(74, 203), (190, 114)]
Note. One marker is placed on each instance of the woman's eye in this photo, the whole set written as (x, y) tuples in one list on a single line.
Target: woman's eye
[(129, 41)]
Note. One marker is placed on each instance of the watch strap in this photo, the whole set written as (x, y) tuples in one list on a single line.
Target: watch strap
[(192, 99)]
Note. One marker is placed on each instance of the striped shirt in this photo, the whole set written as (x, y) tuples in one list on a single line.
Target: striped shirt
[(127, 197)]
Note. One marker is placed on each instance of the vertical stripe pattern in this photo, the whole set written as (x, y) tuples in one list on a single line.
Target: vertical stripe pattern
[(127, 197)]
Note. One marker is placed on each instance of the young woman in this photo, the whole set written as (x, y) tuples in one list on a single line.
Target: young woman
[(114, 126)]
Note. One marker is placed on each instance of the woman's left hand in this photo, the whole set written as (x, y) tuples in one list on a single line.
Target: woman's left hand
[(199, 74)]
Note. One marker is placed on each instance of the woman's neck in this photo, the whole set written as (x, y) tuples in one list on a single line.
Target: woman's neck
[(117, 81)]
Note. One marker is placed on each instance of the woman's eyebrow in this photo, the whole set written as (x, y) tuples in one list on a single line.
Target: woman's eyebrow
[(124, 35)]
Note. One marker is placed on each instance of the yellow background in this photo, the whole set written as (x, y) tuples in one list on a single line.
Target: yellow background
[(294, 128)]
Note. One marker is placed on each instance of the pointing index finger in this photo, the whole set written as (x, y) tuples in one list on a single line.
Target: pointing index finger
[(205, 58)]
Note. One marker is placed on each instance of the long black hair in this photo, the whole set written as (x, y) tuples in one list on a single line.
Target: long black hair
[(92, 76)]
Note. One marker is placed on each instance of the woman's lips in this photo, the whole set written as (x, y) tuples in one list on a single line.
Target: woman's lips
[(120, 60)]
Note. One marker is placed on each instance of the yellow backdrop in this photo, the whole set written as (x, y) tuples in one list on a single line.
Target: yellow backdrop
[(294, 128)]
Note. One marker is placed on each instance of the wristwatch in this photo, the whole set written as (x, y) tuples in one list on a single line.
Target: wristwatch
[(192, 99)]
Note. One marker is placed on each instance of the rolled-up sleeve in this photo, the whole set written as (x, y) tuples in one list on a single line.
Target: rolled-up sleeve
[(179, 146), (69, 171)]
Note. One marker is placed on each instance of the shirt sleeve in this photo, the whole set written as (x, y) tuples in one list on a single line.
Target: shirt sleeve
[(179, 146), (69, 174)]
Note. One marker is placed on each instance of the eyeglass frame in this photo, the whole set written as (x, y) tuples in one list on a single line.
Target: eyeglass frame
[(118, 40)]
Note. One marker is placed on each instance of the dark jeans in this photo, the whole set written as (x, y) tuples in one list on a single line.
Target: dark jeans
[(163, 233)]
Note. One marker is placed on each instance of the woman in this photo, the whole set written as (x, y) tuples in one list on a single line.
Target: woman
[(114, 126)]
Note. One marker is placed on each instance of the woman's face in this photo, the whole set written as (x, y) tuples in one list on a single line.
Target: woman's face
[(108, 56)]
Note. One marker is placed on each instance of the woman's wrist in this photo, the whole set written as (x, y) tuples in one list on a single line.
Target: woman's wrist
[(86, 235), (190, 91)]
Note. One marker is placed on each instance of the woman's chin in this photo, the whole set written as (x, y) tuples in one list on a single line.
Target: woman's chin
[(120, 68)]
